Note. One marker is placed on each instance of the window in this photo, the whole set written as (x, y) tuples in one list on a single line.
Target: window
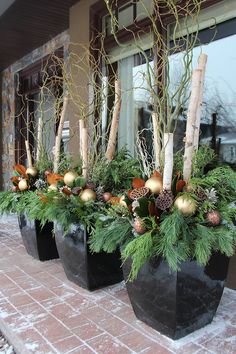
[(218, 126)]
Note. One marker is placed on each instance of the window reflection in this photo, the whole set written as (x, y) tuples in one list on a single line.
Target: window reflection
[(218, 120)]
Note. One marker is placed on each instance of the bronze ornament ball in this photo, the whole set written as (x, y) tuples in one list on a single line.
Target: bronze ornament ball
[(32, 171), (155, 185), (70, 177), (186, 205), (88, 195), (107, 196), (139, 227), (213, 217)]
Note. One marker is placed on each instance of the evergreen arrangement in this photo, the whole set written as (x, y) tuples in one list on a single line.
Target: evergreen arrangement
[(191, 221)]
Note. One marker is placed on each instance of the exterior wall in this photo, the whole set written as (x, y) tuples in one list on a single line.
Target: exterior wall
[(8, 99), (80, 37)]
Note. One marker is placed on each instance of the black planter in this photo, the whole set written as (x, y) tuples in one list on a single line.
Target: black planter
[(90, 271), (39, 242), (177, 303)]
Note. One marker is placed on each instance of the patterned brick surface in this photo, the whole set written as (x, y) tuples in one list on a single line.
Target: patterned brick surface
[(49, 314)]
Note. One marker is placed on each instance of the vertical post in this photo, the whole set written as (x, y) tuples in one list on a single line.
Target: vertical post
[(169, 160), (191, 122), (202, 61), (111, 146), (59, 134)]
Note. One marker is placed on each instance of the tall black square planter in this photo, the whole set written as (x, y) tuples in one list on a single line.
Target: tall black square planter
[(38, 241), (177, 303), (90, 271)]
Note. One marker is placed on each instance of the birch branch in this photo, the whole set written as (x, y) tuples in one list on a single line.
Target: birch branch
[(111, 146), (169, 160), (202, 61), (59, 134), (85, 151), (29, 156), (157, 141), (191, 122), (81, 126), (39, 138)]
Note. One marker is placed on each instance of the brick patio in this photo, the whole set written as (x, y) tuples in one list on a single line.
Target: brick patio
[(42, 312)]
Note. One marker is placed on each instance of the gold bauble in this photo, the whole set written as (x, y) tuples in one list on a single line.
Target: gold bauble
[(122, 201), (186, 205), (22, 185), (154, 184), (87, 195), (52, 187), (32, 171), (70, 177)]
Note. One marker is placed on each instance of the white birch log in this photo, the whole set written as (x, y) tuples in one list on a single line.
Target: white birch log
[(191, 123), (111, 146), (202, 61), (85, 151), (29, 156), (169, 160), (59, 134), (157, 141), (81, 126), (39, 138)]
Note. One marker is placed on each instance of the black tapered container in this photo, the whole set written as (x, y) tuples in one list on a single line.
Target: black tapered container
[(90, 271), (38, 241), (177, 303)]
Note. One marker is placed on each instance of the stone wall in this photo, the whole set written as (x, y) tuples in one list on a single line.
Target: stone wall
[(8, 100)]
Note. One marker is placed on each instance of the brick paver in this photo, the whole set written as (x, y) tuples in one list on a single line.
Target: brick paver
[(49, 314)]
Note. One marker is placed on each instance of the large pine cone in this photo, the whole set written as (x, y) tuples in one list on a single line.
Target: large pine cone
[(164, 200), (200, 193), (99, 192)]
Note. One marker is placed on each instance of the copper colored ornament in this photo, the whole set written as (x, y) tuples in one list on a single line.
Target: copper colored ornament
[(213, 217), (139, 226), (88, 195), (154, 184), (186, 205), (107, 196), (46, 173), (70, 177), (22, 185), (14, 188), (138, 193), (32, 171)]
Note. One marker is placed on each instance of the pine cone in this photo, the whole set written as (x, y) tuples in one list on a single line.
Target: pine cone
[(200, 193), (90, 185), (164, 200), (99, 192), (211, 195)]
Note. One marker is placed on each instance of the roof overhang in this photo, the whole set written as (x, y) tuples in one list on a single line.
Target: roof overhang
[(27, 24)]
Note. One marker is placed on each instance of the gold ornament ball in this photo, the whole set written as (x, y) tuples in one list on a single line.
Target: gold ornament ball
[(70, 177), (186, 205), (22, 185), (52, 187), (139, 227), (122, 201), (213, 217), (32, 171), (88, 195), (154, 184)]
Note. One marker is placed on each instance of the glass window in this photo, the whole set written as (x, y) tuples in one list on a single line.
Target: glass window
[(126, 15)]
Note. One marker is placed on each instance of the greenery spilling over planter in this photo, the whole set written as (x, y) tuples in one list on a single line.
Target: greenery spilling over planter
[(191, 221), (69, 198)]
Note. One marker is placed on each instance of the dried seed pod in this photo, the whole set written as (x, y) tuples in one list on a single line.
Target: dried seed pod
[(139, 193)]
